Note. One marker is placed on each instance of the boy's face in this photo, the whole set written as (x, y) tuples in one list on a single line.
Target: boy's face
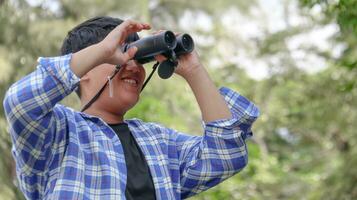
[(126, 86)]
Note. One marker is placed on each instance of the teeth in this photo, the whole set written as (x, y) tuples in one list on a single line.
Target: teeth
[(130, 81)]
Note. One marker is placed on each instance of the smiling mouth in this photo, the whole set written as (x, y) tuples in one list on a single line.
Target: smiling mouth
[(131, 81)]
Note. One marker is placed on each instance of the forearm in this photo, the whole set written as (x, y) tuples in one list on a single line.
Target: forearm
[(221, 151), (86, 59), (108, 50), (211, 103)]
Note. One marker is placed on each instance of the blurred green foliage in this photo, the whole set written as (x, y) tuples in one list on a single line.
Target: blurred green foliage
[(304, 144)]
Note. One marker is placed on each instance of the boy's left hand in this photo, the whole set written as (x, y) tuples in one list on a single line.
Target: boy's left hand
[(188, 64)]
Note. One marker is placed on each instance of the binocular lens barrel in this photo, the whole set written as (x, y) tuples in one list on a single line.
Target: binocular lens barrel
[(165, 43), (153, 45), (184, 45)]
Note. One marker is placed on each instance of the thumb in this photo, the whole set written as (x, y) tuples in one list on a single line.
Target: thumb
[(129, 54)]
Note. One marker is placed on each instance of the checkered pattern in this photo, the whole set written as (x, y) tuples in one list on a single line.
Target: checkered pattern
[(64, 154)]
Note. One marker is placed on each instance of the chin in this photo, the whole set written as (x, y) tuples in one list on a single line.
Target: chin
[(124, 102), (124, 98)]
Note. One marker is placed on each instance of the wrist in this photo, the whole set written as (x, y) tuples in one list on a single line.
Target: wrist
[(102, 53), (194, 73)]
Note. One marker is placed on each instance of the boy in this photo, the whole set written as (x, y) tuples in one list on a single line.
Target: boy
[(61, 153)]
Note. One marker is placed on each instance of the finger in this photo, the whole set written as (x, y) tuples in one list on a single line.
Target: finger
[(177, 33), (133, 26), (146, 26), (128, 27), (129, 54), (158, 31), (160, 58)]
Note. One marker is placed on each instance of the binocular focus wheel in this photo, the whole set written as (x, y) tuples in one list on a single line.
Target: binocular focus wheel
[(166, 69)]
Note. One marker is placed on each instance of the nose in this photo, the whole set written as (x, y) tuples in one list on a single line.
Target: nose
[(132, 66)]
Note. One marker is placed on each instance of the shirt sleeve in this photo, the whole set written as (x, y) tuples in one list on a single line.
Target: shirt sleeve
[(221, 152), (29, 108)]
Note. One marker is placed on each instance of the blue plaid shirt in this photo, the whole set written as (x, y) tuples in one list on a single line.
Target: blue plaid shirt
[(61, 153)]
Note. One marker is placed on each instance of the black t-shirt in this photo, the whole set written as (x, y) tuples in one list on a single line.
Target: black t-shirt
[(139, 181)]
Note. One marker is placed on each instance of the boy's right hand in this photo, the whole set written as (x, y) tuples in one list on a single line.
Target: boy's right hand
[(113, 42), (108, 50)]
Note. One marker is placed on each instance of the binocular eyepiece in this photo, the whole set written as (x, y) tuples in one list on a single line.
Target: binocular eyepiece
[(165, 43)]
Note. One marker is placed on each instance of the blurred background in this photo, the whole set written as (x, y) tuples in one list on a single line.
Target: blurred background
[(296, 59)]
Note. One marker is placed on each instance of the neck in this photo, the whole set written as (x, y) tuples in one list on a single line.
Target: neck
[(108, 117)]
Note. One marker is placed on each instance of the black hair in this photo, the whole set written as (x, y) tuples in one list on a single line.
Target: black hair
[(91, 32)]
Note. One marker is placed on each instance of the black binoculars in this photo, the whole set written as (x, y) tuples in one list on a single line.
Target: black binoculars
[(165, 43)]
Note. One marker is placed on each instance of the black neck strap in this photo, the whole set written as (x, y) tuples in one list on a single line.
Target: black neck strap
[(96, 96), (150, 75)]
